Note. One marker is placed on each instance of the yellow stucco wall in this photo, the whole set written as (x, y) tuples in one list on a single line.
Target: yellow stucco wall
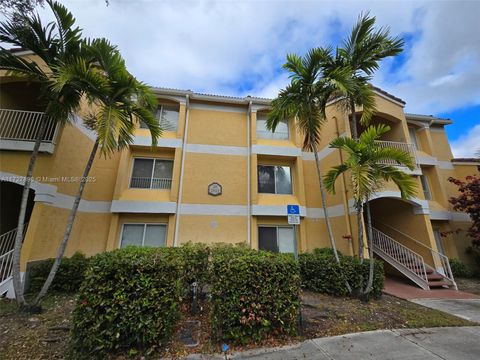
[(216, 130)]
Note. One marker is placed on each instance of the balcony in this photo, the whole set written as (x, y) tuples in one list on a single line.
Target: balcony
[(150, 183), (408, 148), (19, 130)]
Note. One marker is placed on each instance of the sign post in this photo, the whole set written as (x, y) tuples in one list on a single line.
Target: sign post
[(293, 215)]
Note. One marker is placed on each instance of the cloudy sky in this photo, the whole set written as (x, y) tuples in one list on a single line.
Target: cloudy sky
[(238, 47)]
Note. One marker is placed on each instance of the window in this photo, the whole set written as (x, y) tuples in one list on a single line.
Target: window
[(274, 179), (167, 116), (276, 239), (413, 136), (151, 174), (281, 132), (425, 187), (143, 235)]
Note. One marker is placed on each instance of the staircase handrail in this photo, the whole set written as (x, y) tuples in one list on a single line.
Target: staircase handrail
[(419, 258), (443, 258)]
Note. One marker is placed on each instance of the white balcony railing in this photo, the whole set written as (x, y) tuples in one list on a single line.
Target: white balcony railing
[(20, 125), (408, 148), (278, 135), (150, 183)]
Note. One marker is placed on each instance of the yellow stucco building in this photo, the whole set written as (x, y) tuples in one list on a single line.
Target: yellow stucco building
[(218, 175)]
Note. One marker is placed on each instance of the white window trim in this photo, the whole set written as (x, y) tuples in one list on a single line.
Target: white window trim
[(275, 179), (276, 231), (144, 228), (151, 175)]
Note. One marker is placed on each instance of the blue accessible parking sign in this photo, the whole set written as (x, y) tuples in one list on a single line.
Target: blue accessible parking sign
[(293, 210), (293, 214)]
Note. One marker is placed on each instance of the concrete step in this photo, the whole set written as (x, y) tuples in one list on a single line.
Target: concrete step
[(434, 276), (438, 283)]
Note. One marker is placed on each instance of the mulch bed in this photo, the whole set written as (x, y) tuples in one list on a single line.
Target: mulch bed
[(45, 336), (471, 285)]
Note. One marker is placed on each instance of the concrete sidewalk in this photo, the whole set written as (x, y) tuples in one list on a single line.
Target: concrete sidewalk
[(455, 343), (467, 309)]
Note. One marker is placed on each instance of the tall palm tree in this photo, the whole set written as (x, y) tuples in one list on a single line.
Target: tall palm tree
[(54, 43), (304, 100), (362, 52), (368, 165), (118, 103)]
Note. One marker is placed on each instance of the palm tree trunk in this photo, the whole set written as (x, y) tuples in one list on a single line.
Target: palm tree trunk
[(370, 249), (17, 281), (324, 203), (354, 120), (68, 230), (360, 232), (325, 211)]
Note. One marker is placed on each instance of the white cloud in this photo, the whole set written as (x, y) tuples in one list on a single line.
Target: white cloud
[(467, 146), (237, 47)]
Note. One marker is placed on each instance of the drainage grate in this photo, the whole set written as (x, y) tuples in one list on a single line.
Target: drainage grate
[(189, 335)]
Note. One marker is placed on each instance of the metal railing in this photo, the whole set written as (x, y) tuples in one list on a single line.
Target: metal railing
[(412, 264), (262, 134), (407, 147), (150, 183), (439, 257), (7, 244), (165, 124), (23, 125)]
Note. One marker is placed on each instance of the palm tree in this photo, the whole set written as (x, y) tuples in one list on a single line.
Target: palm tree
[(118, 103), (54, 43), (369, 170), (362, 52), (304, 99)]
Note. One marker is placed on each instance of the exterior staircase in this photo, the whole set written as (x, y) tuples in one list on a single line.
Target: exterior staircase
[(7, 243), (411, 264)]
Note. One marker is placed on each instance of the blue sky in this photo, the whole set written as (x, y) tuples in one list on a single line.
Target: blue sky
[(237, 47)]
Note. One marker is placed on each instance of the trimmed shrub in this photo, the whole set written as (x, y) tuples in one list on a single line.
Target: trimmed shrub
[(69, 276), (254, 294), (196, 264), (129, 301), (320, 272), (460, 269)]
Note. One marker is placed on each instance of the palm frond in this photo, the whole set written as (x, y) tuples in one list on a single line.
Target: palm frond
[(331, 176)]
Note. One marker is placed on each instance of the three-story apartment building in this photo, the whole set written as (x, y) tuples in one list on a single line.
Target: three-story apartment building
[(219, 175)]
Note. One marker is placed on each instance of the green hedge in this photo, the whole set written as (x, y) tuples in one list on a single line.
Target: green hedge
[(68, 278), (129, 301), (254, 294), (460, 269), (320, 272)]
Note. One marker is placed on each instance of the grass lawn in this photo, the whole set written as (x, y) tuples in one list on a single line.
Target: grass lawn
[(45, 336), (328, 316)]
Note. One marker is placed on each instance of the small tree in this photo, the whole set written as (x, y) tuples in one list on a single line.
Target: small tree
[(304, 100), (368, 173), (118, 103), (55, 44), (469, 201)]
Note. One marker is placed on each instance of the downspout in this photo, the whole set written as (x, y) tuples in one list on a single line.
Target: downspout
[(182, 167), (249, 200), (345, 195)]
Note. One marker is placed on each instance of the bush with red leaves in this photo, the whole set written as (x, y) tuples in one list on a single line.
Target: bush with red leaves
[(469, 201)]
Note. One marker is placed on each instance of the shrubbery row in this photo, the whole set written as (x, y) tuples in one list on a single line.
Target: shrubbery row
[(69, 276), (321, 273), (130, 299)]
